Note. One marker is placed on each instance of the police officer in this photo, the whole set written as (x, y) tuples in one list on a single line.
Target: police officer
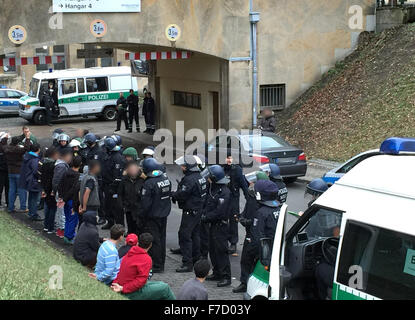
[(191, 197), (63, 141), (49, 100), (237, 182), (122, 107), (95, 152), (217, 212), (132, 102), (156, 207), (131, 154), (274, 173), (315, 189), (55, 136), (114, 164)]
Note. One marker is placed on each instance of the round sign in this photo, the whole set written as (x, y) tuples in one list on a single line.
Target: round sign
[(17, 34), (173, 32), (98, 28)]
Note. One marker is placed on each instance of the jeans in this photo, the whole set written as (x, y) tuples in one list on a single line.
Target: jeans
[(14, 190), (71, 220), (50, 213), (33, 203)]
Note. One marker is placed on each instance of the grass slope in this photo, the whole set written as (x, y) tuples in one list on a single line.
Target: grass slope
[(25, 259), (361, 101)]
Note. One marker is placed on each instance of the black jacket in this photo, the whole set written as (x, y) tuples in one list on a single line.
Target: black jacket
[(112, 171), (29, 174), (87, 241), (265, 222), (3, 161), (268, 124), (132, 102), (282, 190), (191, 192), (46, 169), (122, 104), (156, 196), (149, 109), (69, 186), (237, 180), (249, 212), (217, 204), (129, 195)]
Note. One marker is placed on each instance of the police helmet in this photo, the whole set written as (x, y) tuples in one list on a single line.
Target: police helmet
[(267, 193), (110, 144), (317, 187), (189, 162), (149, 151), (272, 170), (75, 143), (118, 139), (217, 174), (90, 139), (201, 162), (131, 152), (56, 133), (64, 137), (149, 165)]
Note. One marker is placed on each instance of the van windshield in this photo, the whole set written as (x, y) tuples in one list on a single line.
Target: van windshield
[(34, 86)]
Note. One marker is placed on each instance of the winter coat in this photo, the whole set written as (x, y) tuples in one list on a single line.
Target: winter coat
[(149, 110), (29, 174), (134, 271), (69, 186), (58, 174), (46, 169), (129, 195), (14, 156), (87, 240), (268, 124)]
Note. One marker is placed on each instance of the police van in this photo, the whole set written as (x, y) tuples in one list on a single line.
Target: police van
[(81, 92), (360, 233)]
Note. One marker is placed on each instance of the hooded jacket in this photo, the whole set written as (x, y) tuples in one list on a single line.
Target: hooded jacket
[(134, 271), (29, 174), (61, 167), (87, 240)]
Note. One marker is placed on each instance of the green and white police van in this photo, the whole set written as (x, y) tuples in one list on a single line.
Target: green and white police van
[(81, 92), (363, 227)]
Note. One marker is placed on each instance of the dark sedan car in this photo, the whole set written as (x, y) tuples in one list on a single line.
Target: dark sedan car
[(255, 150)]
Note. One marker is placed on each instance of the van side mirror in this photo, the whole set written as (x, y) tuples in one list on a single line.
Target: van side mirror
[(266, 251)]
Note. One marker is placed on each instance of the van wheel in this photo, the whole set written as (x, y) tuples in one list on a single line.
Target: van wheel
[(39, 117), (109, 114)]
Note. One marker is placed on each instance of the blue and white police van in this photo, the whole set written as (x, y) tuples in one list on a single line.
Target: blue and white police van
[(9, 101)]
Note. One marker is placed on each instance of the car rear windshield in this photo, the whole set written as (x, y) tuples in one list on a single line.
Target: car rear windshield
[(34, 86), (255, 142)]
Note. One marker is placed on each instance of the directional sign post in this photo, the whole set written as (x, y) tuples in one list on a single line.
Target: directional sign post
[(71, 6)]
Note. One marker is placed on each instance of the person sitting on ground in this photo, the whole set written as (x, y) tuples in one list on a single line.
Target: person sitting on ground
[(87, 241), (194, 289), (108, 262), (130, 241), (133, 278)]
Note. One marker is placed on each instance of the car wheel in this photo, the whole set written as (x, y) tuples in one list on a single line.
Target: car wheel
[(109, 114), (39, 117), (290, 180)]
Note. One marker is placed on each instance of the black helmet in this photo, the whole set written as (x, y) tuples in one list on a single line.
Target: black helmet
[(189, 162), (90, 139), (110, 144), (150, 165), (267, 193), (317, 187), (217, 174)]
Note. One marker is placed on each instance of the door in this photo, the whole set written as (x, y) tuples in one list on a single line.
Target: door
[(68, 97)]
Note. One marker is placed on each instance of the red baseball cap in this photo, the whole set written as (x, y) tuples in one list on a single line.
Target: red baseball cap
[(131, 239)]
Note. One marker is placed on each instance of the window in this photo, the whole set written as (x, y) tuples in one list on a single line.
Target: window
[(68, 87), (262, 142), (39, 53), (272, 96), (34, 86), (387, 259), (3, 94), (185, 99), (81, 85), (9, 68), (99, 84), (13, 94), (353, 163), (106, 62), (324, 223), (120, 83), (90, 63), (59, 51)]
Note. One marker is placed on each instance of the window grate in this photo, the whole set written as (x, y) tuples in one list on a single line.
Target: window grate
[(186, 99), (272, 96)]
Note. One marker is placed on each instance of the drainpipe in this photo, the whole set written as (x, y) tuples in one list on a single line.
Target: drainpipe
[(254, 17)]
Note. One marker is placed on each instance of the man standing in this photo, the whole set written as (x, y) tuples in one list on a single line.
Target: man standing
[(89, 200), (122, 112), (27, 135), (268, 122), (149, 113), (217, 214), (237, 182), (132, 102), (191, 196), (29, 179), (4, 174), (49, 100), (156, 204)]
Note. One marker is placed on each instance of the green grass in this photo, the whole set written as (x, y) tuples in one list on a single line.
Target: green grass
[(25, 260)]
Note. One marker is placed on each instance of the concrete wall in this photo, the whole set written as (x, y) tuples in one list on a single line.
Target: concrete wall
[(389, 17)]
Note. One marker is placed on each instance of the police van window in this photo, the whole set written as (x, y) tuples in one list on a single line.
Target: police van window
[(386, 259), (81, 85), (99, 84), (3, 94), (68, 87), (324, 223), (34, 86)]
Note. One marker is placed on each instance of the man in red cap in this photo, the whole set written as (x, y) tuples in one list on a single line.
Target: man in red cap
[(130, 241)]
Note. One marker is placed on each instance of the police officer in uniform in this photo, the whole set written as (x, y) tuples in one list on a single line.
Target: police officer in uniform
[(274, 173), (132, 102), (95, 152), (217, 212), (191, 197), (114, 164), (156, 207), (237, 182), (49, 100)]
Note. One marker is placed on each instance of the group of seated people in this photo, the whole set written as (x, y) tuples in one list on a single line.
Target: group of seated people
[(127, 269)]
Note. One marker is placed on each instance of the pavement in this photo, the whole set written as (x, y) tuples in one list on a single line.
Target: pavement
[(296, 201)]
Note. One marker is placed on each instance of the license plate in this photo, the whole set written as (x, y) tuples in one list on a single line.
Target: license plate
[(285, 160)]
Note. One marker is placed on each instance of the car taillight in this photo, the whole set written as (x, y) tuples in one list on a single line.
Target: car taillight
[(302, 157), (260, 159)]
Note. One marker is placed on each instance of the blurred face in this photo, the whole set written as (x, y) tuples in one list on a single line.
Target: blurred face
[(96, 170), (79, 133), (229, 160), (63, 143), (128, 158), (133, 171), (67, 158)]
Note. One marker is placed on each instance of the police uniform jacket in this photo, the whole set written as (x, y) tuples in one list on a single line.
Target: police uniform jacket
[(156, 196)]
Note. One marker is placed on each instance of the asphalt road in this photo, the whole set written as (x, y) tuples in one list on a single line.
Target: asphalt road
[(296, 201)]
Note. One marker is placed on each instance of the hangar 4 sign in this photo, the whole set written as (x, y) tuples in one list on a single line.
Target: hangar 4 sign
[(96, 6)]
